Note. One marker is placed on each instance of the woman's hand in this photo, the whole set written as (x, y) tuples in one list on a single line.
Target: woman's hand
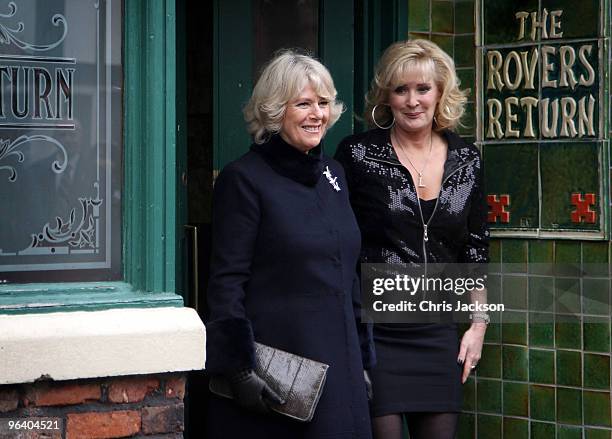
[(470, 349), (252, 392)]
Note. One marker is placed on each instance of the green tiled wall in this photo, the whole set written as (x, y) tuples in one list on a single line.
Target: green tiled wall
[(450, 24), (546, 365), (548, 374)]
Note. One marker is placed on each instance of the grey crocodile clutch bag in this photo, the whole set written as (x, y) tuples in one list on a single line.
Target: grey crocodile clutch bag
[(297, 380)]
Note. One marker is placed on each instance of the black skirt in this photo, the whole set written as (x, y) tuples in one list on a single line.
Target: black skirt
[(416, 369)]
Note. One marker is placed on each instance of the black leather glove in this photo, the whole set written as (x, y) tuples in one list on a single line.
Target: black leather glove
[(368, 384), (252, 392)]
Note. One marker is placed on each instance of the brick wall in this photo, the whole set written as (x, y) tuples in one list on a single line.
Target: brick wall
[(131, 406)]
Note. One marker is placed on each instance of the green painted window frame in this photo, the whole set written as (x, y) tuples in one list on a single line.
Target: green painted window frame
[(152, 194)]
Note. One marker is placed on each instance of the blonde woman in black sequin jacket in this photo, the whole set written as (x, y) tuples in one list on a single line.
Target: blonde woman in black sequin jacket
[(417, 191)]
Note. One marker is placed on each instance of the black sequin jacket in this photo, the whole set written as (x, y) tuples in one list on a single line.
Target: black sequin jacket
[(387, 207)]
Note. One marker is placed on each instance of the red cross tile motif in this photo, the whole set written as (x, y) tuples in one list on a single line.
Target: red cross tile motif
[(497, 208), (583, 212)]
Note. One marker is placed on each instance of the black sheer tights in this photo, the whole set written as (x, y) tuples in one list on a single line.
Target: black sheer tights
[(420, 426)]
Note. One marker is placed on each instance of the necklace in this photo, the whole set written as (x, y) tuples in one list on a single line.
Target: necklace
[(420, 173)]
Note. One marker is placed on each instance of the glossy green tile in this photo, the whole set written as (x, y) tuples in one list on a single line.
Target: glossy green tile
[(541, 257), (568, 168), (469, 139), (418, 36), (442, 16), (514, 292), (596, 334), (569, 406), (469, 394), (516, 399), (494, 288), (567, 432), (493, 334), (567, 258), (520, 183), (490, 362), (445, 42), (500, 24), (464, 17), (597, 408), (541, 430), (489, 426), (516, 428), (541, 330), (418, 15), (597, 371), (514, 251), (541, 293), (541, 251), (596, 296), (467, 426), (579, 179), (542, 403), (567, 295), (514, 363), (541, 366), (466, 78), (495, 250), (582, 25), (464, 51), (568, 332), (595, 258), (597, 433), (489, 395), (468, 121), (514, 327), (569, 368), (495, 90)]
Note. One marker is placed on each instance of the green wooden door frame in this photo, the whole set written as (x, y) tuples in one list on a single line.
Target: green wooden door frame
[(152, 193), (232, 71)]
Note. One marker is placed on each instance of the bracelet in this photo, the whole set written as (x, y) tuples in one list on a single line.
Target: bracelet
[(483, 317)]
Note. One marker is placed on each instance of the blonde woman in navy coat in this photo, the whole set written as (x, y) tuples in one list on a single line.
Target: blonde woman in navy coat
[(285, 252)]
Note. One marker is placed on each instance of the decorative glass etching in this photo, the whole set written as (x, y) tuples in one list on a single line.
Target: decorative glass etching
[(542, 100), (60, 140)]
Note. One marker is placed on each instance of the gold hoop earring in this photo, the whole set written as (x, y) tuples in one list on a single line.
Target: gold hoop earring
[(376, 123)]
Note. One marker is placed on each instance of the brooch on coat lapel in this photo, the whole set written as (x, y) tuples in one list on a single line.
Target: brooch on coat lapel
[(332, 180)]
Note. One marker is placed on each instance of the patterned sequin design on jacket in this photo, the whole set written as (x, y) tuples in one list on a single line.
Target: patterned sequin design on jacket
[(384, 198)]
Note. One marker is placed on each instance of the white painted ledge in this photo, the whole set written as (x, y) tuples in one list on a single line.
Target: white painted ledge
[(71, 345)]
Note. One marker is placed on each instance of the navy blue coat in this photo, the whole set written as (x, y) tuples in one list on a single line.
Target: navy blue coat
[(283, 272)]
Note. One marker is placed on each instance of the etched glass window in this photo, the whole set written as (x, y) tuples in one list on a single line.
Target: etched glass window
[(60, 140)]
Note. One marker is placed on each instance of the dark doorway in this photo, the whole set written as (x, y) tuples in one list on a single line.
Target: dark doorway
[(225, 44), (197, 28)]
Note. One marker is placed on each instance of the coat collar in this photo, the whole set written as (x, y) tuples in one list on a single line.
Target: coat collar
[(289, 162)]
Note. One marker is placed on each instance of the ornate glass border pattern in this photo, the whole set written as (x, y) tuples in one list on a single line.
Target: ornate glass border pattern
[(60, 140), (542, 117)]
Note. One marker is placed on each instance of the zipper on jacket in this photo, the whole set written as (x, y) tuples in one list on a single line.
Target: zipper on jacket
[(426, 224)]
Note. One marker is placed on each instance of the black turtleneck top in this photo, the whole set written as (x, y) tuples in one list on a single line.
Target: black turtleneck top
[(290, 162)]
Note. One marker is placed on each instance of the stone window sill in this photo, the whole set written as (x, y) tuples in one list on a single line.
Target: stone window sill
[(89, 344)]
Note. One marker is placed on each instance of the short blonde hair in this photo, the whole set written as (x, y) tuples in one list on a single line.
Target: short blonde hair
[(424, 57), (282, 80)]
